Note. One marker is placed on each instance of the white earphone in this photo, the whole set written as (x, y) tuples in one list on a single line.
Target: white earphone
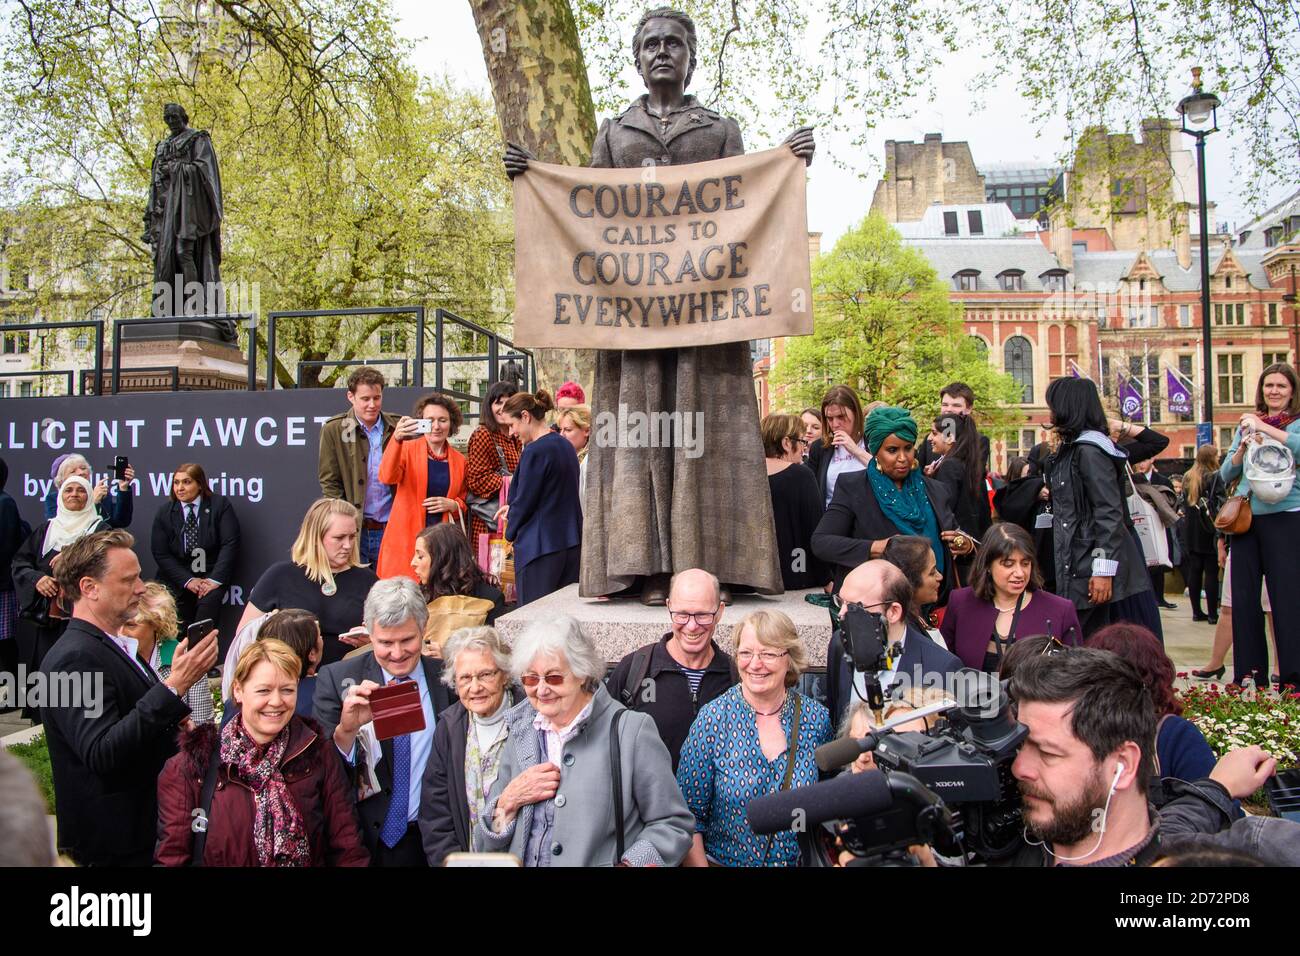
[(1101, 833)]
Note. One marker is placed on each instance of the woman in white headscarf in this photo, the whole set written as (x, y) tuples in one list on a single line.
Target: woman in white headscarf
[(42, 617)]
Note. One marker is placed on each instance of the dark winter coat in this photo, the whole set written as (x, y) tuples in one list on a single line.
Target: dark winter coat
[(316, 781)]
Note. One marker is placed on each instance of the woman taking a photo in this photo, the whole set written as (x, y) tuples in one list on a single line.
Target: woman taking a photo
[(468, 741), (796, 502), (544, 516), (114, 502), (889, 497), (195, 543), (1005, 601), (755, 739), (428, 476), (1099, 564), (842, 448), (1267, 551), (492, 454), (281, 797), (324, 577)]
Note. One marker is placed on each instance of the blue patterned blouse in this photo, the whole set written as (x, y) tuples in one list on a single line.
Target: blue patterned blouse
[(723, 768)]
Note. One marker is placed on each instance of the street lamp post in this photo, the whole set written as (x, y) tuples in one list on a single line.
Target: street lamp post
[(1197, 109)]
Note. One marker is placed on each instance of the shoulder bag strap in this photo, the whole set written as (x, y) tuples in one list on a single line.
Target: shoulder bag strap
[(616, 775), (501, 458), (201, 820), (636, 676)]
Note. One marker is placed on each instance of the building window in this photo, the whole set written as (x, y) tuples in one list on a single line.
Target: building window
[(1231, 379), (976, 222), (1189, 451), (981, 347), (1225, 438), (16, 343), (1103, 317), (1184, 316), (950, 224), (1106, 388), (1078, 247), (967, 281), (1276, 358), (1018, 355), (392, 339), (1227, 282), (1062, 349), (1272, 236), (1020, 443), (1054, 281), (4, 389), (1153, 317), (1230, 313), (1012, 281), (1272, 313), (82, 341), (24, 389)]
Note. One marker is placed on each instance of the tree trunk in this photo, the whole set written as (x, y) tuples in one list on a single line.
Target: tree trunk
[(539, 83)]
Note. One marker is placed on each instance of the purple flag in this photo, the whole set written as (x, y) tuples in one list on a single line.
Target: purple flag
[(1130, 399), (1180, 396)]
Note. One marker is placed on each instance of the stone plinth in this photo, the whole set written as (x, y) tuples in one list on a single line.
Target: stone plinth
[(622, 625), (200, 364)]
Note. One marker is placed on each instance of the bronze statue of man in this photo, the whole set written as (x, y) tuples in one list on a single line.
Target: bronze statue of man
[(182, 222), (651, 512)]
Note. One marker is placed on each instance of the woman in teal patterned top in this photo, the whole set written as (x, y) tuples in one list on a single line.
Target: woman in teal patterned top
[(739, 747)]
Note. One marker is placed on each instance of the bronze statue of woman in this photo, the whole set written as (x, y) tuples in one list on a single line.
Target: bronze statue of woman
[(651, 512)]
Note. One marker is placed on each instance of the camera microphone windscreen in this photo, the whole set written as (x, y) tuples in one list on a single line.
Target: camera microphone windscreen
[(848, 796), (837, 753)]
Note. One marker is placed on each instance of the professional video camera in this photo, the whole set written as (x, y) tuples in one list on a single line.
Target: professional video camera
[(950, 787)]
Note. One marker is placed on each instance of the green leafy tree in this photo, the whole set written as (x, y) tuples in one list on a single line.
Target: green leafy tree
[(348, 181), (884, 324)]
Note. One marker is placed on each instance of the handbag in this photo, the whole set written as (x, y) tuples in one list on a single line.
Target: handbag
[(1234, 515), (483, 507), (1150, 529)]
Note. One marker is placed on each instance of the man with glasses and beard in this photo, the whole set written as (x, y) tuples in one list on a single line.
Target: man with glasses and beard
[(685, 669), (1085, 769)]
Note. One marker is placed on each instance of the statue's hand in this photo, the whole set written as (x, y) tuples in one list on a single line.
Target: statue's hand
[(803, 145), (516, 160)]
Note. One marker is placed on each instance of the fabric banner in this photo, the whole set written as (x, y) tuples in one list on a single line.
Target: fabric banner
[(1130, 399), (1180, 395), (662, 256)]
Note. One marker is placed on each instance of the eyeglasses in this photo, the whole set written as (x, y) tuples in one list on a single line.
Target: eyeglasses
[(839, 604), (532, 680), (483, 677), (702, 618), (767, 657)]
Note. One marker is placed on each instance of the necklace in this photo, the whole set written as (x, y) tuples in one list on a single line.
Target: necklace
[(329, 588), (767, 714)]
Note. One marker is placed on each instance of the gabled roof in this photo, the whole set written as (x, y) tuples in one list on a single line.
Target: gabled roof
[(990, 258)]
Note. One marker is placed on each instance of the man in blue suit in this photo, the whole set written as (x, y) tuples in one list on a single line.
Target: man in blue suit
[(917, 661)]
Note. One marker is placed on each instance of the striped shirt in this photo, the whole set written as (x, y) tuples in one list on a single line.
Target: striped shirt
[(693, 677)]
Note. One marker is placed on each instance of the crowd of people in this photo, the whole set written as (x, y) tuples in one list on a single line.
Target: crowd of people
[(539, 749)]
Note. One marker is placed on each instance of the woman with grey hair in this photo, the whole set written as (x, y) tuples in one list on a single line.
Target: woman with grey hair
[(468, 740), (582, 782)]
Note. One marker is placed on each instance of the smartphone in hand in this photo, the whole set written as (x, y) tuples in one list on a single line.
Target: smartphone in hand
[(119, 468), (197, 631)]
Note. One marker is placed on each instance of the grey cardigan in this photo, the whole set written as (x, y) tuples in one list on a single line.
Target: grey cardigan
[(658, 828)]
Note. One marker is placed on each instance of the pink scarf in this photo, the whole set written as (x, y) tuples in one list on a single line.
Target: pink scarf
[(279, 835)]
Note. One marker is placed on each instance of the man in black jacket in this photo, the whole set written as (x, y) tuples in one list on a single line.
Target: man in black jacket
[(917, 661), (106, 751), (1085, 769), (673, 678)]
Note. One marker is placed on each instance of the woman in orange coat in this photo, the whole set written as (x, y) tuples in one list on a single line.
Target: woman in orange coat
[(429, 479)]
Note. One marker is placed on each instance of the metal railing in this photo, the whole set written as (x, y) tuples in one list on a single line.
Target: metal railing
[(96, 324), (38, 373), (273, 318), (346, 364)]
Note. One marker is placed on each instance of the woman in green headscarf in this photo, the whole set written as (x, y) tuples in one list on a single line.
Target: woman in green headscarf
[(890, 497)]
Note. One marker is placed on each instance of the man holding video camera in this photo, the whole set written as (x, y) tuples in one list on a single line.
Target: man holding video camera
[(1085, 768), (907, 657)]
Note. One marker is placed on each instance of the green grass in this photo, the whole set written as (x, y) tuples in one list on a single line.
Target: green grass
[(35, 756)]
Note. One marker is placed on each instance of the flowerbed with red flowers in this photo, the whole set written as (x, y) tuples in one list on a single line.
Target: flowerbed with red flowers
[(1230, 717)]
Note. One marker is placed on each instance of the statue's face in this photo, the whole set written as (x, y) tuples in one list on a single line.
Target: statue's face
[(173, 120), (665, 55)]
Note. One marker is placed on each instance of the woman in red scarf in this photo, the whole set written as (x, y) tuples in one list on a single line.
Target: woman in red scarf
[(279, 797)]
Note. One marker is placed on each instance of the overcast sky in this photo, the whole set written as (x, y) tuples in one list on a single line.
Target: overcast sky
[(999, 133)]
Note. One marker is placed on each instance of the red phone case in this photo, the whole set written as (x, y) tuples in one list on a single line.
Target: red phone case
[(396, 709)]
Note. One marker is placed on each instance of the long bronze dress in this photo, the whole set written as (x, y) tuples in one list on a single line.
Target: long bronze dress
[(655, 510)]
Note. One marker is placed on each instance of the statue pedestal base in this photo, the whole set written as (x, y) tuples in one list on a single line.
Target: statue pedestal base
[(621, 625), (200, 363)]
